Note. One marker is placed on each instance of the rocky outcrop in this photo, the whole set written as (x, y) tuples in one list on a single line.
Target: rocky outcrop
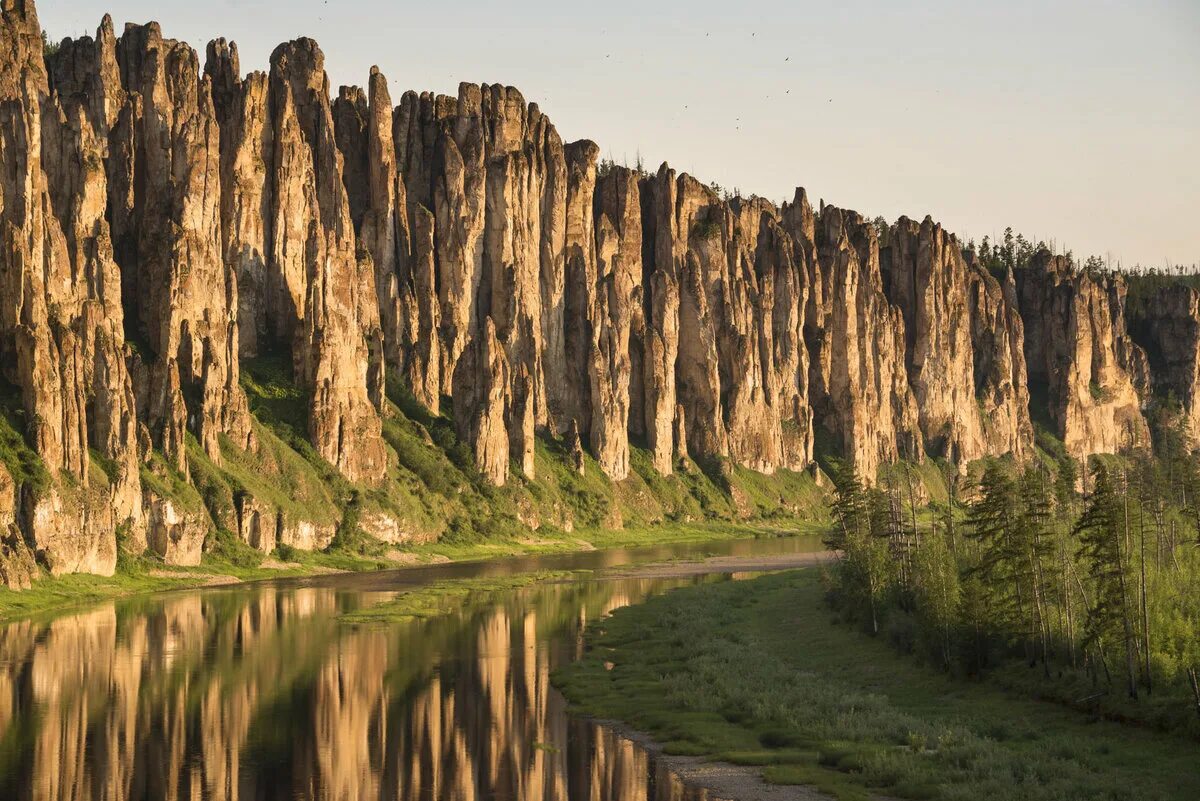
[(1079, 354), (323, 301), (175, 533), (960, 341), (1166, 324), (860, 389), (181, 300), (482, 402), (164, 227)]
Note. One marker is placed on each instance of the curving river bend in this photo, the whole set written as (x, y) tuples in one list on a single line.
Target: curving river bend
[(259, 691)]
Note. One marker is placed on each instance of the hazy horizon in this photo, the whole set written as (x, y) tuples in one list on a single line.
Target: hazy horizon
[(1070, 122)]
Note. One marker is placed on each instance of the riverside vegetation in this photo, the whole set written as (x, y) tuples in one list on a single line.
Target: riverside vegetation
[(757, 673), (1085, 597), (1032, 632)]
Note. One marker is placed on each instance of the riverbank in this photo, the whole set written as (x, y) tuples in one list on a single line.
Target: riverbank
[(756, 673), (235, 563)]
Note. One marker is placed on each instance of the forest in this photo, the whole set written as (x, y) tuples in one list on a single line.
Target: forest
[(1072, 582)]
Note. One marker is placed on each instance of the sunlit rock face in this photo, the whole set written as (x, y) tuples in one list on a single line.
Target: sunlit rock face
[(323, 300), (169, 227), (861, 393), (1094, 377), (963, 344)]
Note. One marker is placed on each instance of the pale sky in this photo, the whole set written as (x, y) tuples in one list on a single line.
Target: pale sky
[(1072, 120)]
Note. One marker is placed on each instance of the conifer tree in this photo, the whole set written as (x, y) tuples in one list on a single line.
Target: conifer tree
[(991, 520), (1100, 534)]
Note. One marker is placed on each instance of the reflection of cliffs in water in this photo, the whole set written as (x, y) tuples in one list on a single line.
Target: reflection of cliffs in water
[(261, 694)]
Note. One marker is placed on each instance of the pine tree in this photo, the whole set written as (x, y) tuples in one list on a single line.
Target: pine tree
[(991, 520), (1034, 540), (1100, 532), (849, 506), (861, 532), (937, 590)]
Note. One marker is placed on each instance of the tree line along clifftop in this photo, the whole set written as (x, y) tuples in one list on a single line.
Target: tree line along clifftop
[(224, 297)]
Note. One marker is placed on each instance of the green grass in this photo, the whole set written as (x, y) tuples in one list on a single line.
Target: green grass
[(756, 673), (229, 556), (432, 489), (165, 481), (442, 597), (22, 462)]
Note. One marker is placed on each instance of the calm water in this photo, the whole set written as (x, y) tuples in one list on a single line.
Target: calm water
[(259, 692)]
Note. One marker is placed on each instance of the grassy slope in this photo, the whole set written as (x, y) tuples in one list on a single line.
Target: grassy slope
[(432, 488), (755, 672)]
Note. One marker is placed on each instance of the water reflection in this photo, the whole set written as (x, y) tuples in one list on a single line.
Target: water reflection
[(260, 693)]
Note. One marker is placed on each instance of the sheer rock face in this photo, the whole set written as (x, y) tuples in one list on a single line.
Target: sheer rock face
[(324, 299), (511, 265), (1001, 381), (1167, 326), (750, 376), (662, 414), (781, 262), (384, 233), (421, 360), (482, 402), (958, 340), (182, 299), (618, 311), (61, 337), (1077, 347), (74, 142), (570, 391), (242, 110), (442, 164), (495, 175), (861, 393), (701, 235)]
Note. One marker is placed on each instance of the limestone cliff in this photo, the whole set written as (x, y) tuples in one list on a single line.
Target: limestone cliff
[(1166, 324), (234, 302), (1093, 377), (963, 343)]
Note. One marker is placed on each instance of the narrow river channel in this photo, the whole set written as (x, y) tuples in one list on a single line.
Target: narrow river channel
[(262, 691)]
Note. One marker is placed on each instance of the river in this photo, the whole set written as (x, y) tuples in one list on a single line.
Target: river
[(261, 691)]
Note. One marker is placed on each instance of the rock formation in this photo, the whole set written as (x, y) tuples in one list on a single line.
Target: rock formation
[(859, 384), (324, 301), (1079, 354), (165, 228), (961, 335), (1166, 324)]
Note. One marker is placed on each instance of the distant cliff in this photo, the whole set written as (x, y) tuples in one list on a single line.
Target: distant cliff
[(169, 228)]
